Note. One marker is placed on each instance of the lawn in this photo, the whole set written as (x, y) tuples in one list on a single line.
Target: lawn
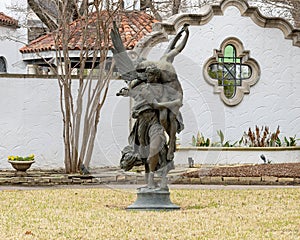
[(100, 214)]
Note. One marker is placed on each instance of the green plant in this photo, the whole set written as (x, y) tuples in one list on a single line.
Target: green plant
[(259, 137), (18, 158), (291, 142), (222, 142), (200, 141)]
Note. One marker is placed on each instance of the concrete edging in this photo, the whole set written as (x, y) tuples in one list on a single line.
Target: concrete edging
[(264, 180)]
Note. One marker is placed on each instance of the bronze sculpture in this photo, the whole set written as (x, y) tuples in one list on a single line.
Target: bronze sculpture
[(157, 95)]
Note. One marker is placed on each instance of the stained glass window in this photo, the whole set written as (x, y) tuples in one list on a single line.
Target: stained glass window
[(229, 71)]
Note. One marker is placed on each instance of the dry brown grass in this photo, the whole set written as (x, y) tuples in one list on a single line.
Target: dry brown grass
[(99, 214)]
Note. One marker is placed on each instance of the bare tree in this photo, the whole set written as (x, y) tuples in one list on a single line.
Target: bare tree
[(161, 9), (81, 99), (81, 114), (49, 11), (288, 9)]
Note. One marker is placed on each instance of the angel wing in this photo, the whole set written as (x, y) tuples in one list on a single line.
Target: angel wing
[(123, 62)]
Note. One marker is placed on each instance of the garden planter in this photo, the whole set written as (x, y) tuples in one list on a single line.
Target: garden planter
[(237, 155), (21, 166)]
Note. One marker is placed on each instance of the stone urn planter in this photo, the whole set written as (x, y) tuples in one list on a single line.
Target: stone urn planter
[(21, 166)]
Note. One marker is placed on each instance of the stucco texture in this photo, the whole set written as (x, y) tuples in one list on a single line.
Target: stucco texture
[(31, 123), (272, 101)]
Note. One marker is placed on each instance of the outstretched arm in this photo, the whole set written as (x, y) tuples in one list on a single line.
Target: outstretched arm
[(125, 91), (173, 51), (181, 46), (174, 41)]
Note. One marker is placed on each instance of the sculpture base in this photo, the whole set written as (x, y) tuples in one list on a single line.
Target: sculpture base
[(153, 199)]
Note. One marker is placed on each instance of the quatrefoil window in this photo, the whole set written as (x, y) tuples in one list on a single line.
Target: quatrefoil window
[(231, 71)]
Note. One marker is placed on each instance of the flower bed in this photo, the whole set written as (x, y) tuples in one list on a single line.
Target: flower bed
[(237, 155), (290, 170)]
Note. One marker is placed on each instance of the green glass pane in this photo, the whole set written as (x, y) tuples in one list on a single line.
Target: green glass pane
[(229, 91), (214, 72), (229, 82), (228, 60), (246, 72), (229, 52), (229, 88), (229, 71)]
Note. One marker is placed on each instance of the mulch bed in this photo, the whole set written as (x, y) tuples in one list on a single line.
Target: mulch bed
[(277, 170)]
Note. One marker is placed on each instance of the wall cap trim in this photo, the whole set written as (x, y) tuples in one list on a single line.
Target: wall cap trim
[(161, 30), (296, 148)]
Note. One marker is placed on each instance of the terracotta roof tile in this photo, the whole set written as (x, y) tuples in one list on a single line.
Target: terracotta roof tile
[(133, 26), (8, 21)]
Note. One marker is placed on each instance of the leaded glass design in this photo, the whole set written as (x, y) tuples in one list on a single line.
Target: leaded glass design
[(229, 71)]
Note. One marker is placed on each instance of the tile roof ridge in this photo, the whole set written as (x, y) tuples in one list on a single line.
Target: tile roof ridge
[(8, 21), (134, 25)]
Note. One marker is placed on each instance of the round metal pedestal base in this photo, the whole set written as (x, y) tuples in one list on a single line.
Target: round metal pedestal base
[(148, 199)]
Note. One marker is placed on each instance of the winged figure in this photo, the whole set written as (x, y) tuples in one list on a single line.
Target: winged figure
[(157, 95)]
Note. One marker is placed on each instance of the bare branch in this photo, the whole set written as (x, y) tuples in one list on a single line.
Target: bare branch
[(42, 15)]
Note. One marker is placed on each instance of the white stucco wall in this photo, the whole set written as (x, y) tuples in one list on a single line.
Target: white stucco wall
[(9, 49), (31, 122), (14, 8), (273, 101), (12, 39)]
